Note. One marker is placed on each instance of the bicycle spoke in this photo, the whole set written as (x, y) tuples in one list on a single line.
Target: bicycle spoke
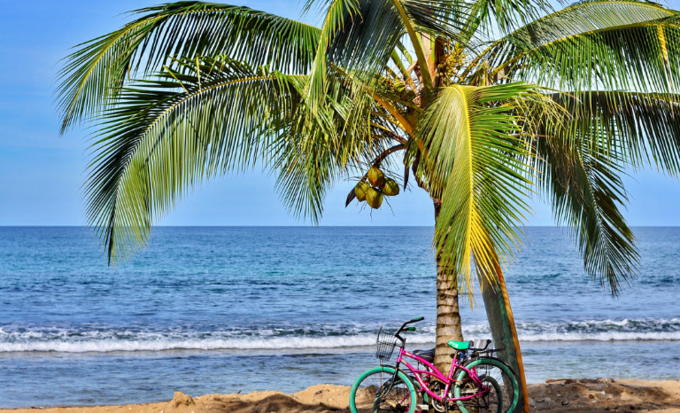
[(497, 392), (377, 393), (501, 378)]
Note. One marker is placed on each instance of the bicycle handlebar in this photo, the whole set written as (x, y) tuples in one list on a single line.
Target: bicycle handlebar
[(485, 349), (403, 328)]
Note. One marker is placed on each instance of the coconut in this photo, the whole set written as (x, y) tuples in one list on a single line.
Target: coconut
[(391, 187), (374, 198), (360, 191), (376, 177)]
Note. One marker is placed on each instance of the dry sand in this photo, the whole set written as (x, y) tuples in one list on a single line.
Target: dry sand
[(587, 396)]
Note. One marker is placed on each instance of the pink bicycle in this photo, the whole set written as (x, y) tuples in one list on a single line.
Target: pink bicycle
[(476, 382)]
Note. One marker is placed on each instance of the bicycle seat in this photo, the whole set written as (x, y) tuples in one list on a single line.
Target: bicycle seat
[(427, 355), (460, 345)]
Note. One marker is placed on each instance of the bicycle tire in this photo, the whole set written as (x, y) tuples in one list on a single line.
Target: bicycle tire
[(492, 358), (401, 396), (506, 377), (490, 368), (491, 402)]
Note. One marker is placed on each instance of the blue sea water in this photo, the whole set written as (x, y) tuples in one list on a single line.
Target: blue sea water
[(220, 310)]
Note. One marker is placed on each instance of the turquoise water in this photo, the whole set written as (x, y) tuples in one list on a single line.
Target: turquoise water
[(205, 310)]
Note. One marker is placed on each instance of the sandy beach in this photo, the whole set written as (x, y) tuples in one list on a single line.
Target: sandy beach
[(564, 395)]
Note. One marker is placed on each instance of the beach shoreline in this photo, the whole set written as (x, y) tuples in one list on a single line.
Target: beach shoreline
[(559, 395)]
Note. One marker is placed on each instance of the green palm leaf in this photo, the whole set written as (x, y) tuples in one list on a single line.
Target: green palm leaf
[(476, 163), (594, 45), (325, 145), (641, 128), (338, 14), (505, 14), (93, 74), (169, 134), (581, 178)]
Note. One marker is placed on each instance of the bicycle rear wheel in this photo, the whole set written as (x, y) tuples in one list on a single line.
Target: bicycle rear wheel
[(489, 371), (376, 392), (490, 402)]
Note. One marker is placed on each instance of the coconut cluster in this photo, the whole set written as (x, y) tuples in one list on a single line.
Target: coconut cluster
[(378, 185)]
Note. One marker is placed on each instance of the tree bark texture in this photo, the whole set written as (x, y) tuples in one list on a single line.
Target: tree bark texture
[(448, 315), (502, 323)]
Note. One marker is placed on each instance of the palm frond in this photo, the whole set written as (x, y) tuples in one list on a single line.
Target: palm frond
[(93, 74), (310, 162), (643, 129), (361, 36), (366, 43), (170, 133), (580, 177), (338, 14), (505, 15), (595, 45), (322, 146), (476, 166)]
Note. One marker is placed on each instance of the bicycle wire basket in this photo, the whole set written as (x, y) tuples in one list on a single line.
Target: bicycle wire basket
[(385, 344)]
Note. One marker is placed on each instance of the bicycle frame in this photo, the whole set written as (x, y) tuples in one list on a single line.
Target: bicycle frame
[(434, 372)]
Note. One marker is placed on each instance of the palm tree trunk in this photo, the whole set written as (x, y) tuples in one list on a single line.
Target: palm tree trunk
[(448, 314), (503, 331)]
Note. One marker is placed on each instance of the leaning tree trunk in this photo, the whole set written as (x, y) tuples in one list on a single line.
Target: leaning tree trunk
[(502, 323), (448, 315)]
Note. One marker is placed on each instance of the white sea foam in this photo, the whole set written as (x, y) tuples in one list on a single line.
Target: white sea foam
[(143, 343), (114, 340), (597, 330)]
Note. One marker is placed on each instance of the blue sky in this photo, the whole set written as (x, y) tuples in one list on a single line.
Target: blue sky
[(41, 173)]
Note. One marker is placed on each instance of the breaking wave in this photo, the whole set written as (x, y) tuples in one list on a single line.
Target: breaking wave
[(80, 340)]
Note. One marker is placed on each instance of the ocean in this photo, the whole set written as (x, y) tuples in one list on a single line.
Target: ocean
[(226, 309)]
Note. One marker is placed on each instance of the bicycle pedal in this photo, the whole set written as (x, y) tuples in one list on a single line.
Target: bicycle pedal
[(422, 407)]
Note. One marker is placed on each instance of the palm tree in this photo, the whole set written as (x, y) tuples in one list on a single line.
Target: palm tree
[(481, 103)]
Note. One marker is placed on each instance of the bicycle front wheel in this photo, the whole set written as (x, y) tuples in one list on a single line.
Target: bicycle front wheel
[(501, 382), (377, 391)]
